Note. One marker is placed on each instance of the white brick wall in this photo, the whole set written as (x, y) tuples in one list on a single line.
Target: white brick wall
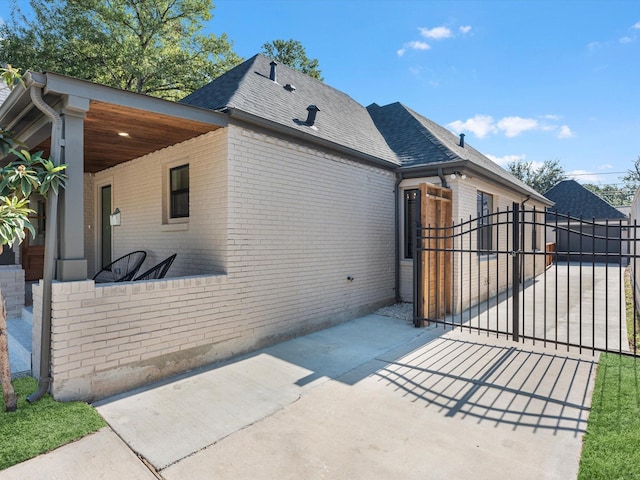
[(274, 233), (12, 286), (137, 189)]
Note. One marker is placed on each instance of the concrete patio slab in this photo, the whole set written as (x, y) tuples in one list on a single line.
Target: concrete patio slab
[(170, 421), (371, 399), (458, 406), (101, 455)]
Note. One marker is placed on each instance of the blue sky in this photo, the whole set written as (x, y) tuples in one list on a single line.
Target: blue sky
[(535, 80)]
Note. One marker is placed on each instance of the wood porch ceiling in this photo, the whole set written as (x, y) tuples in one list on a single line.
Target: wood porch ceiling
[(148, 132)]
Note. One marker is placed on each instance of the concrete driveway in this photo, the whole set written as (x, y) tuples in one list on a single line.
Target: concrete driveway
[(374, 398), (581, 305)]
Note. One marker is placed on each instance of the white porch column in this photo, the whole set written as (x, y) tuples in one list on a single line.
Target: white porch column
[(72, 263)]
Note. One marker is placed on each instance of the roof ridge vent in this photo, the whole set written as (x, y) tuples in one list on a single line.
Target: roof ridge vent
[(311, 117), (290, 88), (273, 74)]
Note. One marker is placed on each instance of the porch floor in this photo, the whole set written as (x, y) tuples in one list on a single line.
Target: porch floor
[(19, 337)]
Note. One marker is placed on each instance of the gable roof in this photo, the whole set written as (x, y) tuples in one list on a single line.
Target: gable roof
[(419, 141), (247, 88), (393, 135), (572, 198)]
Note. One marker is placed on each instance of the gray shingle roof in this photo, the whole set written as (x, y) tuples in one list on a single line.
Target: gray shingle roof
[(572, 198), (393, 133), (341, 119), (419, 141)]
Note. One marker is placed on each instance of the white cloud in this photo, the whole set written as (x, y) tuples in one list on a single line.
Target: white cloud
[(551, 116), (514, 126), (484, 125), (606, 166), (636, 26), (584, 176), (626, 40), (436, 33), (594, 46), (565, 132), (506, 159), (415, 45), (479, 125)]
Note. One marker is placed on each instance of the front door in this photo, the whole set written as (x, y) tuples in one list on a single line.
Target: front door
[(33, 247)]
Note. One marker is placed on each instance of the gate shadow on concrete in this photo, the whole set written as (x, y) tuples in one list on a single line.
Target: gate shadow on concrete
[(496, 382)]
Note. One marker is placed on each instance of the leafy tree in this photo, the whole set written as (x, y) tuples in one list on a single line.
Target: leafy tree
[(152, 47), (292, 53), (540, 179), (18, 180), (612, 194), (632, 178), (619, 195)]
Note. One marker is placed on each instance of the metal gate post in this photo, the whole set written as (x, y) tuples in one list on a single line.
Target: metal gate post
[(418, 304), (515, 278)]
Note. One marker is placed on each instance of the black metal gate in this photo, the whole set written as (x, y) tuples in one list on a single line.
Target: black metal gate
[(531, 275)]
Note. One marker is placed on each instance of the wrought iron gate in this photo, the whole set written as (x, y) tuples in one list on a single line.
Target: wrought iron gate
[(531, 275)]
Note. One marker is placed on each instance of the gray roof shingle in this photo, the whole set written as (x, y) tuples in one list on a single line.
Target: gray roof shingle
[(393, 133), (572, 198), (341, 119), (419, 141)]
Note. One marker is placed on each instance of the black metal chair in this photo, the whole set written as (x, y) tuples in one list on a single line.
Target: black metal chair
[(159, 271), (122, 269)]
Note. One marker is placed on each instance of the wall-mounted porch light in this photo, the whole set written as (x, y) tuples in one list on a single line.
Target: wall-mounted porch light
[(457, 174), (114, 218)]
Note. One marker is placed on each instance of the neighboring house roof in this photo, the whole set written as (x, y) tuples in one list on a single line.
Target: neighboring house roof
[(625, 210), (573, 199), (419, 141), (340, 119)]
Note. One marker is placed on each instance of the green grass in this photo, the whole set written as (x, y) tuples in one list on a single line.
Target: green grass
[(632, 316), (611, 447), (42, 426)]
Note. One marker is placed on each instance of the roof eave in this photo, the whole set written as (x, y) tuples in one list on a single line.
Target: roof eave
[(62, 85), (467, 166)]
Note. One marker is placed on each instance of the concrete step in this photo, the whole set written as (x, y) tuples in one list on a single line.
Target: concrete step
[(19, 338), (27, 315)]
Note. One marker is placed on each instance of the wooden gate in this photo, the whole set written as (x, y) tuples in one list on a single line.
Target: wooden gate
[(433, 277)]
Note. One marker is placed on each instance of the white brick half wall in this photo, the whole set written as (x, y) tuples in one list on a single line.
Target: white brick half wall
[(276, 229), (12, 286)]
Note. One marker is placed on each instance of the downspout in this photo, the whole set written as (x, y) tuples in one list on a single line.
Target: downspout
[(443, 182), (397, 236), (44, 381)]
